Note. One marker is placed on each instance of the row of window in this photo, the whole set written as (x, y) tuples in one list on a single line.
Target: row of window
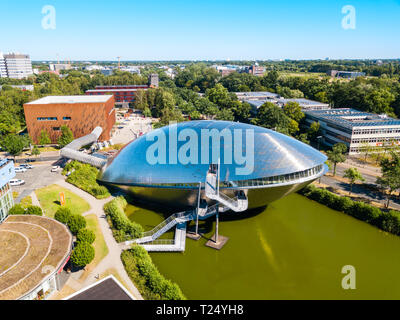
[(52, 118), (375, 140), (376, 131), (257, 182)]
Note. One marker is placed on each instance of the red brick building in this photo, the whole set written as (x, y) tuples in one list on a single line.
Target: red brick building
[(80, 113), (122, 94)]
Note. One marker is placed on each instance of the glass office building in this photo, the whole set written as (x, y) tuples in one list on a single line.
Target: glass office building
[(269, 167), (7, 172)]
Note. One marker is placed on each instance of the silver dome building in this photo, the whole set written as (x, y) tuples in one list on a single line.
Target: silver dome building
[(168, 165)]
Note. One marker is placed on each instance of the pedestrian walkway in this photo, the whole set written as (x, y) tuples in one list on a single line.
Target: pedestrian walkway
[(113, 259)]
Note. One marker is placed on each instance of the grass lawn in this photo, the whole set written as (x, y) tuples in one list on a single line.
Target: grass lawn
[(27, 201), (100, 246), (47, 149), (49, 198)]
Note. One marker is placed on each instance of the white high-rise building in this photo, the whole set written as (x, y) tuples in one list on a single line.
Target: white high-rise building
[(17, 66), (3, 69)]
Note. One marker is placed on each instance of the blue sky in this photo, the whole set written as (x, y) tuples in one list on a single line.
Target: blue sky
[(200, 30)]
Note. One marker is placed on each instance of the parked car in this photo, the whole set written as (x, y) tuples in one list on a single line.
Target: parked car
[(26, 166), (55, 168), (16, 182), (20, 169)]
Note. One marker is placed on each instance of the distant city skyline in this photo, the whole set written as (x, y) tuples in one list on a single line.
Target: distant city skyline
[(210, 30)]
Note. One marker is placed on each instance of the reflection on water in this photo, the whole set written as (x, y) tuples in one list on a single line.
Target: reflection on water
[(294, 249)]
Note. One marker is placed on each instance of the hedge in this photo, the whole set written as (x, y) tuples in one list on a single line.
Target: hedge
[(18, 209), (123, 228), (149, 281), (34, 210), (84, 176), (386, 221)]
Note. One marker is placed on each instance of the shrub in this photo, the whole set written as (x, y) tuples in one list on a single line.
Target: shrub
[(390, 222), (62, 215), (75, 223), (86, 235), (387, 221), (342, 204), (83, 254), (150, 282), (115, 211), (84, 177), (34, 210), (17, 210)]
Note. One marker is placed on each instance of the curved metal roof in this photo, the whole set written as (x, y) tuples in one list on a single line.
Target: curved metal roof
[(274, 154)]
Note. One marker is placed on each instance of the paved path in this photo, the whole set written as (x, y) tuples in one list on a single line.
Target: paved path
[(113, 259), (360, 191)]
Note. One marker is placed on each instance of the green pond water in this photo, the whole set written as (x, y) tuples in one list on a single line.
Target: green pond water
[(294, 249)]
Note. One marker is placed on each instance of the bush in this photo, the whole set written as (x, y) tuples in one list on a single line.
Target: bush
[(86, 235), (17, 210), (387, 221), (126, 228), (62, 215), (82, 255), (34, 210), (76, 223), (390, 222), (342, 204), (84, 177), (150, 282)]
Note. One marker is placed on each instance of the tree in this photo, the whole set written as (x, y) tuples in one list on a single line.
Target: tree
[(353, 175), (140, 100), (314, 131), (337, 155), (86, 235), (83, 254), (14, 144), (35, 151), (75, 223), (62, 215), (390, 179), (293, 111), (44, 138), (66, 136), (272, 117), (366, 148)]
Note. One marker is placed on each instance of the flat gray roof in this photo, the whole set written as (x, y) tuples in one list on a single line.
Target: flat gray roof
[(72, 99)]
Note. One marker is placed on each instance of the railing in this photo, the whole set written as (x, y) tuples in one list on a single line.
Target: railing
[(161, 242), (163, 224)]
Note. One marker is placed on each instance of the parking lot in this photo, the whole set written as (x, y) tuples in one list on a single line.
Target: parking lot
[(36, 178)]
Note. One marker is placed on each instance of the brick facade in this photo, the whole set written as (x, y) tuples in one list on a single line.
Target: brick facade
[(81, 118)]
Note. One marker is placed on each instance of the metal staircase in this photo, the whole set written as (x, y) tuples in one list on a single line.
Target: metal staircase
[(238, 204), (224, 203)]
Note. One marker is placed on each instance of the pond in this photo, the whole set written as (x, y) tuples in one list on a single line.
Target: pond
[(294, 249)]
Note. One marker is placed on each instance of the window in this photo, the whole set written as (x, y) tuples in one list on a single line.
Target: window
[(56, 129), (67, 118), (47, 119)]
